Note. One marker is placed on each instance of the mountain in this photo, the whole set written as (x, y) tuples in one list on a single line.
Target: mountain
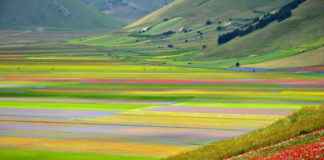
[(191, 29), (129, 10), (203, 21), (54, 14)]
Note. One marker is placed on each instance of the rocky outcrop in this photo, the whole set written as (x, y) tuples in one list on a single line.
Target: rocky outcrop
[(60, 8)]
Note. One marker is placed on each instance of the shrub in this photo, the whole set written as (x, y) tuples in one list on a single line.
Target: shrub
[(208, 22)]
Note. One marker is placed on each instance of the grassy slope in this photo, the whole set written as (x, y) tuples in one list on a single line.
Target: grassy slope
[(32, 13), (303, 30), (129, 10), (306, 120), (300, 32), (161, 26), (198, 11), (308, 59)]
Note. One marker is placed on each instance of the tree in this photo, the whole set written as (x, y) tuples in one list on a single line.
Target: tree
[(219, 28), (237, 64), (208, 22), (167, 33), (284, 13)]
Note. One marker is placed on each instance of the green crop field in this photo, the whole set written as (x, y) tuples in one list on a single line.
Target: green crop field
[(87, 39), (120, 108), (12, 154)]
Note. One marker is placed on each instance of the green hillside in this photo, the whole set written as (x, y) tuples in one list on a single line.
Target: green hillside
[(54, 14), (304, 29), (128, 10), (197, 12), (191, 29)]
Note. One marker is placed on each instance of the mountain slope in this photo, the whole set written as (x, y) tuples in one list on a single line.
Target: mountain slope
[(304, 29), (198, 11), (202, 21), (191, 28), (54, 14), (308, 59), (129, 10)]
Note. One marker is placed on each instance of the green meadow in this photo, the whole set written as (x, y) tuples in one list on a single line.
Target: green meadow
[(13, 154), (71, 106)]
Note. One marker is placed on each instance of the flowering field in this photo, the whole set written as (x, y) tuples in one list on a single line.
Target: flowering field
[(50, 103), (308, 146)]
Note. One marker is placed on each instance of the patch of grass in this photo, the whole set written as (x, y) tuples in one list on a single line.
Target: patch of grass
[(106, 68), (305, 120), (133, 43), (96, 95), (79, 84), (177, 55), (243, 105), (114, 42), (161, 26), (261, 58), (14, 154), (72, 106), (271, 56), (87, 39), (307, 59)]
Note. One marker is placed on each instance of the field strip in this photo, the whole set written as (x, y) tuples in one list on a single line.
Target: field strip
[(85, 101), (27, 154), (203, 115), (263, 101), (176, 81), (180, 121), (53, 113), (242, 105), (88, 121), (219, 110), (72, 105), (126, 133), (93, 146)]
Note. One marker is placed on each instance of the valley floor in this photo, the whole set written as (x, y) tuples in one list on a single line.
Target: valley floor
[(52, 101), (72, 101)]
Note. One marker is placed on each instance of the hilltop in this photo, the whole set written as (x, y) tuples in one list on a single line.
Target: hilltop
[(54, 14)]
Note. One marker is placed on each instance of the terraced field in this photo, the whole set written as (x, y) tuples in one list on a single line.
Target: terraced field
[(66, 104)]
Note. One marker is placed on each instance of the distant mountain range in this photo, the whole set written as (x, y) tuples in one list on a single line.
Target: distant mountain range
[(74, 14), (54, 14)]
